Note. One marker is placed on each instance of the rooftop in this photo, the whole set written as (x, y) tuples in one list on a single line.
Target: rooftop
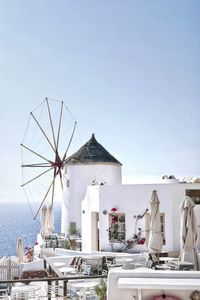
[(92, 152)]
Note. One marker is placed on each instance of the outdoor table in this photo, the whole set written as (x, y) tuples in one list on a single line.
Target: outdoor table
[(24, 289), (181, 265), (163, 267), (115, 266), (137, 265), (124, 261), (167, 258), (59, 264), (84, 285), (66, 270)]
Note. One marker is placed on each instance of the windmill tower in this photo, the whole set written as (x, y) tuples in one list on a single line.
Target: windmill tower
[(91, 164)]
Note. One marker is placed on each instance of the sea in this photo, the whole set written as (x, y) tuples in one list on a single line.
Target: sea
[(16, 220)]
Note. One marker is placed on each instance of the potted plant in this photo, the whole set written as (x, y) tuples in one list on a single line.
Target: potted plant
[(73, 230), (66, 244), (101, 289), (72, 236)]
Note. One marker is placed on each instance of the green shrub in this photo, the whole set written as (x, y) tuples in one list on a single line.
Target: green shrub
[(101, 289)]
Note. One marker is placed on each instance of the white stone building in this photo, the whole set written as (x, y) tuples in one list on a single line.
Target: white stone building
[(130, 201), (94, 187), (93, 165)]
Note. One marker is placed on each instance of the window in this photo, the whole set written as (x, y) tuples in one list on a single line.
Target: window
[(194, 194), (162, 222), (116, 227)]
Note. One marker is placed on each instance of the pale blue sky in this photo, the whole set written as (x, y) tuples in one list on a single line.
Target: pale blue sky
[(128, 70)]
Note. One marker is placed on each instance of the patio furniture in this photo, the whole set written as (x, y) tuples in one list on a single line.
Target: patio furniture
[(67, 270), (61, 236), (54, 291), (24, 292), (54, 240), (4, 297), (111, 259), (125, 261), (181, 265), (77, 263), (153, 261), (59, 264), (150, 264), (167, 259), (4, 294), (163, 267), (136, 265), (83, 288), (104, 272), (96, 261), (86, 269), (108, 266)]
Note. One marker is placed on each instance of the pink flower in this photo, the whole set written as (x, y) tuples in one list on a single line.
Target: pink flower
[(141, 241), (113, 209), (129, 241), (114, 219)]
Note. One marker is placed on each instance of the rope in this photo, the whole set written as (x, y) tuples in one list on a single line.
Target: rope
[(69, 112), (39, 105)]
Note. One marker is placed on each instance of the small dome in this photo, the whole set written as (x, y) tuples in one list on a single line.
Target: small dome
[(92, 152)]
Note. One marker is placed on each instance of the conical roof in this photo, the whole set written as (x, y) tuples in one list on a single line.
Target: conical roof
[(92, 152)]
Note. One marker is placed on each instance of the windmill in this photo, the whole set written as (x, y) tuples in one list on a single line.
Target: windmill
[(46, 142)]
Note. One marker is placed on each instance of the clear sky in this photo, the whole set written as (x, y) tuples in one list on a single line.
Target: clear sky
[(128, 70)]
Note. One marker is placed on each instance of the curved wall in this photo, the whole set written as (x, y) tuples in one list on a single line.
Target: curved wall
[(77, 178)]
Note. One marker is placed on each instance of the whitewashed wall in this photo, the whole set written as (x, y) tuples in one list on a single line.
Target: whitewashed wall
[(133, 200), (90, 204), (79, 177), (115, 293)]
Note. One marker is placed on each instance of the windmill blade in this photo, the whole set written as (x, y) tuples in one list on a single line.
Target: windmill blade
[(43, 132), (44, 199), (53, 188), (64, 157), (32, 151), (52, 183), (51, 123), (59, 125), (37, 177), (38, 165)]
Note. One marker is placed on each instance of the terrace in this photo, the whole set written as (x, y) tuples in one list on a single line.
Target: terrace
[(129, 275), (56, 280)]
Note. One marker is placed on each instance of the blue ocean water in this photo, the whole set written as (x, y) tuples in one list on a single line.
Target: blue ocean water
[(16, 220)]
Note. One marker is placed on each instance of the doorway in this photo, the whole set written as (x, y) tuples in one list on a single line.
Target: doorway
[(95, 231)]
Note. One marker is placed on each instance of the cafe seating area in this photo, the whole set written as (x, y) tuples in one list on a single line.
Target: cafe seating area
[(125, 274), (54, 240)]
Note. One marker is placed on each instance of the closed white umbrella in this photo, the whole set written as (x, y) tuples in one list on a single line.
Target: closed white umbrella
[(50, 220), (147, 228), (189, 234), (155, 243), (43, 221), (20, 250)]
